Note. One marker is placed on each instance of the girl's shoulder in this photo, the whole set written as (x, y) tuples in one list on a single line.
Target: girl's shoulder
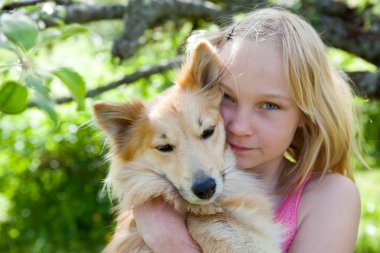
[(329, 210), (332, 186), (329, 192)]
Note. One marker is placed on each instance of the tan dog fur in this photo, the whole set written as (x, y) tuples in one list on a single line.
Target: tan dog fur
[(237, 218)]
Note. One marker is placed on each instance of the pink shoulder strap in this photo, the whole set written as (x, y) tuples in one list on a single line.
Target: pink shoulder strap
[(286, 214)]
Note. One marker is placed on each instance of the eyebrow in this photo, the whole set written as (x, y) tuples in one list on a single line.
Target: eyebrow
[(228, 89), (265, 95), (275, 96)]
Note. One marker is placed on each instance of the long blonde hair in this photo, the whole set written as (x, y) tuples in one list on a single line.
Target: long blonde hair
[(327, 140)]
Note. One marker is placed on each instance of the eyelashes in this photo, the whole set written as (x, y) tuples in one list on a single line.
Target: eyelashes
[(167, 148), (270, 106), (263, 105), (228, 98), (208, 133)]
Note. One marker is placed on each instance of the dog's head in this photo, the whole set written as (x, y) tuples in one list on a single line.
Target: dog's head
[(179, 136)]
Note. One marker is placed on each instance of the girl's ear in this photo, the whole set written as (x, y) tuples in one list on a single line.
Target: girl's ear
[(202, 70), (116, 118)]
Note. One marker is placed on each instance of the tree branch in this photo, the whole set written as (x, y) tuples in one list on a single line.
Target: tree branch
[(15, 5), (343, 27), (85, 13), (366, 84), (340, 26), (142, 14), (143, 72)]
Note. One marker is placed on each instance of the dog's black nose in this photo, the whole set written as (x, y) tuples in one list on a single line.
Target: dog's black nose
[(205, 188)]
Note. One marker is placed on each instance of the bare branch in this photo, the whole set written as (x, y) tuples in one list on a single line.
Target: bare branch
[(19, 4), (367, 84), (340, 26), (142, 14), (143, 72), (84, 13), (351, 38), (343, 27), (15, 5)]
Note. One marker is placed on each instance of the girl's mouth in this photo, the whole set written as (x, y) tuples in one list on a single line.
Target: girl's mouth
[(239, 149)]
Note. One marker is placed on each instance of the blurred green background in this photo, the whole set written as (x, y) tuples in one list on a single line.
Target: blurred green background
[(51, 173)]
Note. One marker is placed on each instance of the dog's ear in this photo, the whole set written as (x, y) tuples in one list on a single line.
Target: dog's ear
[(203, 69), (116, 118)]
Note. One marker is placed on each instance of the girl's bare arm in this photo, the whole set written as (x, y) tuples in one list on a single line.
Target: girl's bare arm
[(162, 228)]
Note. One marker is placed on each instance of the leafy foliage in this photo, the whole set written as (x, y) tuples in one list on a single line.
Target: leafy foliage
[(369, 231), (24, 39), (20, 30), (13, 97), (371, 133), (53, 181)]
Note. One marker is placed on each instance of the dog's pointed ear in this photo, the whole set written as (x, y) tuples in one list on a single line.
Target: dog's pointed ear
[(116, 118), (202, 70)]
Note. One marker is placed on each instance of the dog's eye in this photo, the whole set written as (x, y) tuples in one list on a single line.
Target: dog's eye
[(208, 132), (165, 148)]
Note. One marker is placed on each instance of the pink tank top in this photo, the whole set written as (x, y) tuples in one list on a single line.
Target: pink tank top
[(286, 214)]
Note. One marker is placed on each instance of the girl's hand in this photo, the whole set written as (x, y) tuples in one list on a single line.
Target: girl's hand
[(163, 228)]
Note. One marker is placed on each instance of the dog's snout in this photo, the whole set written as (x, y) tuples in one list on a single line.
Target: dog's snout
[(205, 188)]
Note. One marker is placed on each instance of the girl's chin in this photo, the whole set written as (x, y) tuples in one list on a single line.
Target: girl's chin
[(245, 163)]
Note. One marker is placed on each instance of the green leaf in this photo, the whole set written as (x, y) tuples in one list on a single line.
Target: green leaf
[(41, 96), (73, 29), (35, 82), (7, 46), (19, 29), (74, 82), (50, 35), (13, 98), (54, 34), (47, 105)]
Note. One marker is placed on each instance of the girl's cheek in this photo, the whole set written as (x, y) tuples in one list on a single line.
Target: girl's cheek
[(226, 112)]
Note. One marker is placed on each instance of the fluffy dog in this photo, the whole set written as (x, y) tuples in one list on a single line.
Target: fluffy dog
[(175, 147)]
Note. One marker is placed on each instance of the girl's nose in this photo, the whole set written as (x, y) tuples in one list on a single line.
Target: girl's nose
[(240, 124)]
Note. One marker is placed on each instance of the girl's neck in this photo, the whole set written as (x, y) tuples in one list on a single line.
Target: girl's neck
[(270, 174)]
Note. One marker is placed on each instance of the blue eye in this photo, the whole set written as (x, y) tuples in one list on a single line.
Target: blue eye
[(228, 98), (270, 106)]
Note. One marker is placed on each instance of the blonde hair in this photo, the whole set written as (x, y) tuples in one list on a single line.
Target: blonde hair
[(326, 141)]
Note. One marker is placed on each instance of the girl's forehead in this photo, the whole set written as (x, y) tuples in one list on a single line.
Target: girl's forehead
[(254, 60), (243, 46), (248, 56), (257, 65)]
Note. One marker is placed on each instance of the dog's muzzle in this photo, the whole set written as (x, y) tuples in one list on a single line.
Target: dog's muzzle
[(204, 188)]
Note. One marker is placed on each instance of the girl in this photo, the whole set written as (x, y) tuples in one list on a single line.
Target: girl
[(288, 117)]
